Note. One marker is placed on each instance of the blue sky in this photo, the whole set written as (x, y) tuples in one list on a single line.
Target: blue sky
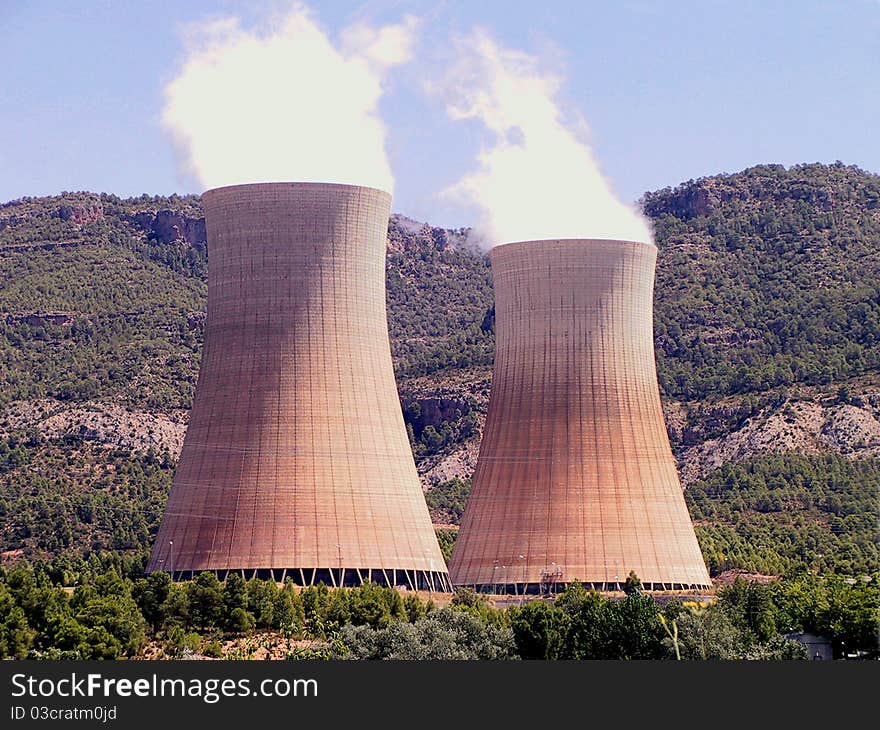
[(670, 90)]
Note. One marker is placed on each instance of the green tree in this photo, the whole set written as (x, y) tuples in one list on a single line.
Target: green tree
[(708, 633), (114, 626), (15, 635), (109, 616), (240, 621), (235, 595), (315, 600), (634, 629), (150, 593), (339, 607), (287, 613), (175, 608), (633, 585), (443, 634), (178, 642), (68, 637), (853, 616), (446, 539), (587, 636), (414, 607), (261, 599), (750, 604), (369, 604), (205, 600), (539, 630)]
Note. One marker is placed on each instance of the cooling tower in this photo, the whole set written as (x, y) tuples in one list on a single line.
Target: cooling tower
[(296, 462), (575, 479)]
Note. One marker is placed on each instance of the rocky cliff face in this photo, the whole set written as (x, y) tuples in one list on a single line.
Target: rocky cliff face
[(407, 235), (168, 226), (81, 214), (703, 197), (104, 424), (40, 319), (820, 424), (75, 209)]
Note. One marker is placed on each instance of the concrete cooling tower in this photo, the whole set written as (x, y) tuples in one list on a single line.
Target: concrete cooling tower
[(296, 462), (575, 479)]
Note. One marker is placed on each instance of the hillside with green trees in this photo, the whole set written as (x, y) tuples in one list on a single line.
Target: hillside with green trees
[(767, 278), (767, 329), (68, 495), (789, 513)]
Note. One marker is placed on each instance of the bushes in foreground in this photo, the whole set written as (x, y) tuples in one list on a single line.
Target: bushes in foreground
[(111, 615), (446, 633), (747, 621)]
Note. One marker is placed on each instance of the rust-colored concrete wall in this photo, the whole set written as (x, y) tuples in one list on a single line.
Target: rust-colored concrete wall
[(296, 461), (575, 473)]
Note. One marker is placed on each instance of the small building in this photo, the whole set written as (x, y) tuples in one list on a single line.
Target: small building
[(818, 647)]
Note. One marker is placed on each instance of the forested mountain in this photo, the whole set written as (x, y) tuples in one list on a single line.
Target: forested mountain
[(767, 278), (767, 326)]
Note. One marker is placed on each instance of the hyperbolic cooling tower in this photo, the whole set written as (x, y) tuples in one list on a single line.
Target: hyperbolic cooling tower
[(296, 462), (575, 478)]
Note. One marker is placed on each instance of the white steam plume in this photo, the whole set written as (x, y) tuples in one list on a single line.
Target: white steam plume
[(284, 104), (537, 180)]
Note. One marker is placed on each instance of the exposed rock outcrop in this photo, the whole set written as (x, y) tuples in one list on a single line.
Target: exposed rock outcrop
[(81, 213), (808, 427), (168, 226), (36, 319), (458, 463), (106, 424)]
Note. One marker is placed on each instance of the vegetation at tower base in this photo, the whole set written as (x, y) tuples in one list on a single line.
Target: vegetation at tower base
[(115, 612), (443, 634), (102, 315)]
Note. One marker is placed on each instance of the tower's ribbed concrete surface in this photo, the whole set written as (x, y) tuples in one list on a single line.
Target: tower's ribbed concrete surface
[(296, 462), (575, 478)]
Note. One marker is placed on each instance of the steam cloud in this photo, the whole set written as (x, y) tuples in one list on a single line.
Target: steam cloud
[(537, 180), (251, 105)]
